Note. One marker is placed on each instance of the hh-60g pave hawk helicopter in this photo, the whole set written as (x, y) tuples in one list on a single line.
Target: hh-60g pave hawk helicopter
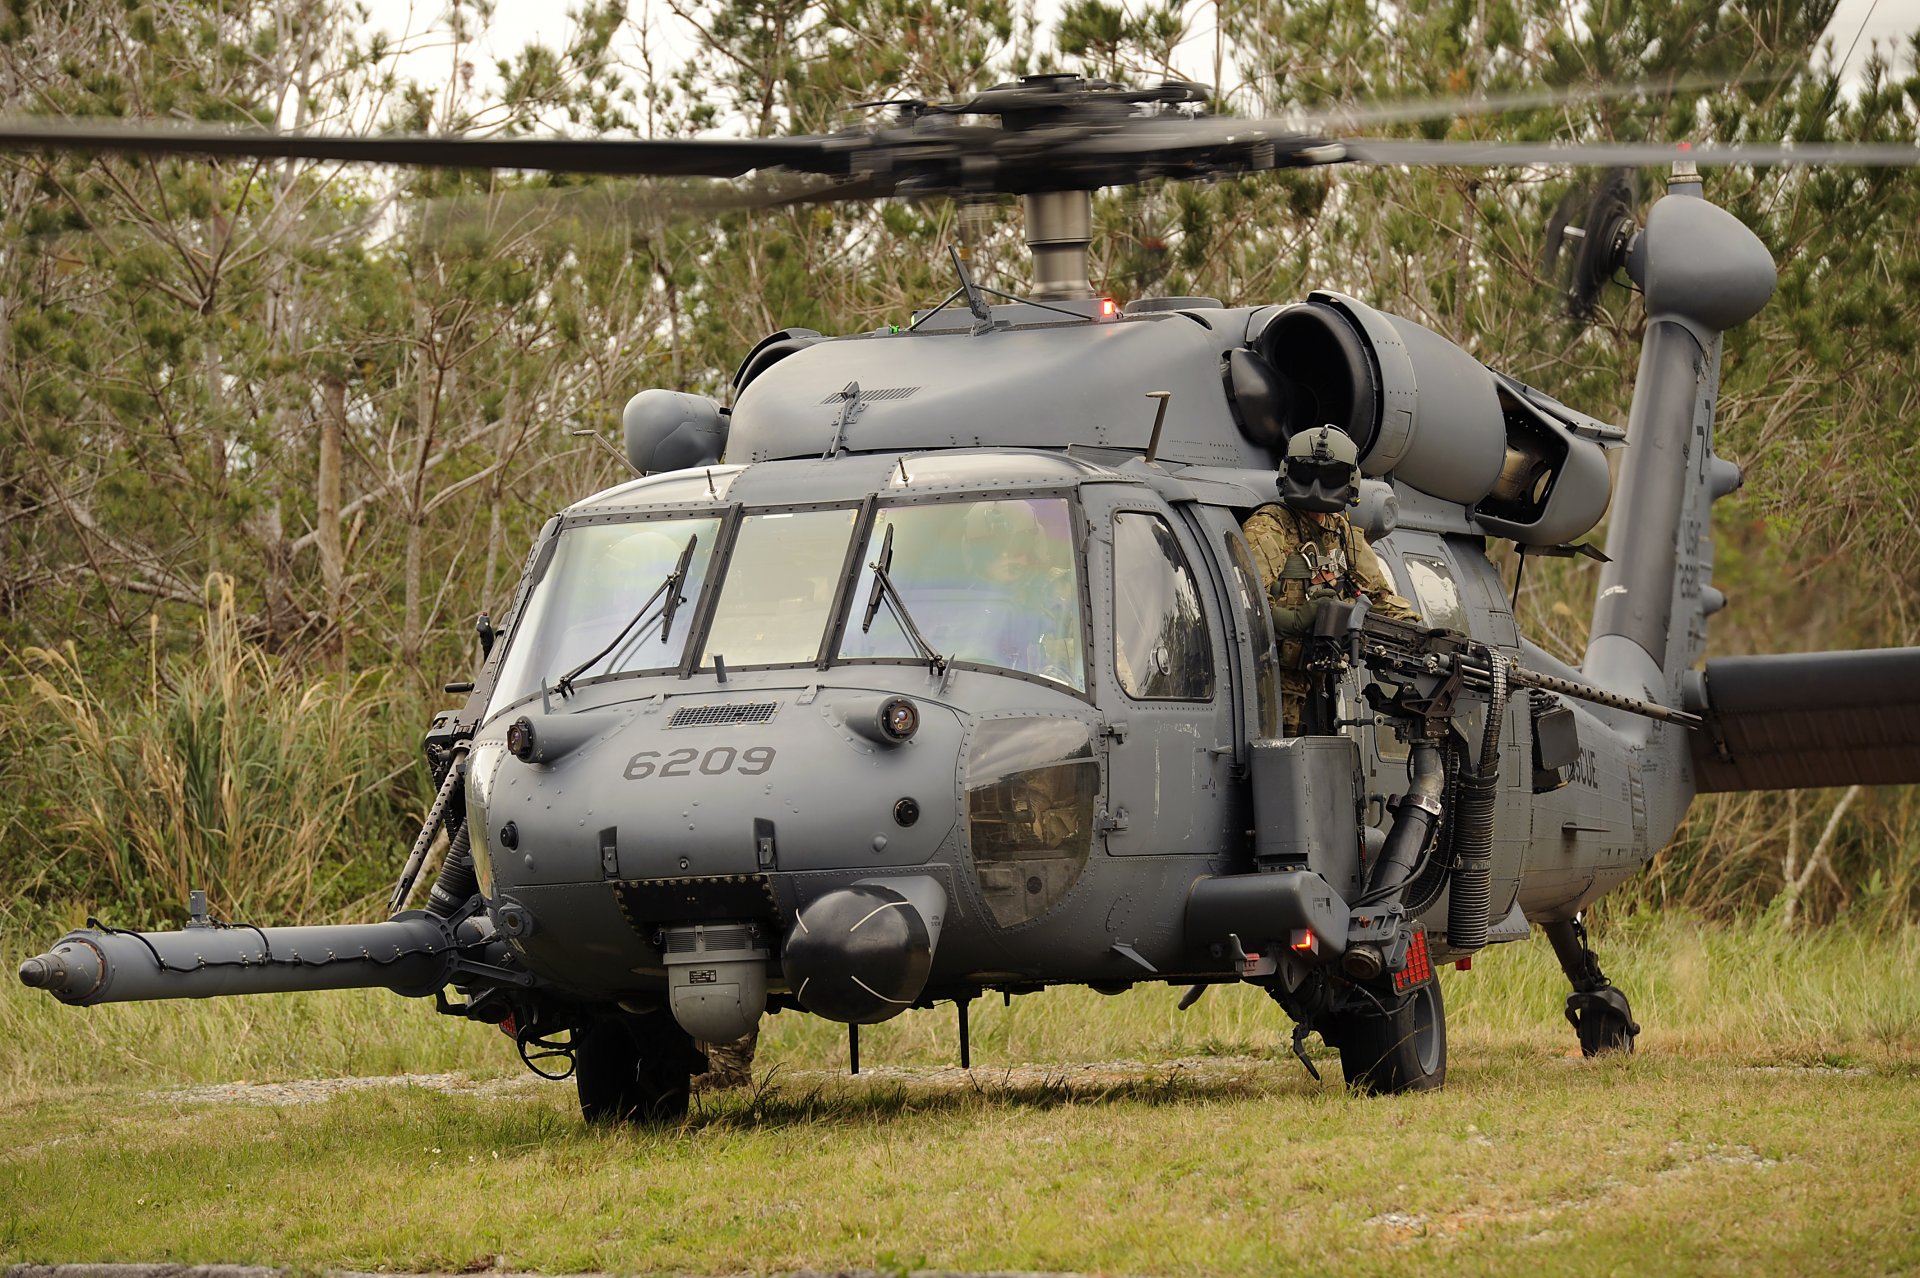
[(938, 664)]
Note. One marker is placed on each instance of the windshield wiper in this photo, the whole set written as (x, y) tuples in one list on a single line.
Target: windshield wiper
[(670, 586), (883, 587)]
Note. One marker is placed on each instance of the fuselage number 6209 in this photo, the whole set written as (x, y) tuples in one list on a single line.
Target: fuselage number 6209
[(750, 762)]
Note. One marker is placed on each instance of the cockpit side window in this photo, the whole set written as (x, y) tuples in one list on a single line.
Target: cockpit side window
[(1161, 648), (1266, 653)]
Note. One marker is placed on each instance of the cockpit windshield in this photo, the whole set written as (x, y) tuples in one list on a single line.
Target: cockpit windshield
[(600, 577), (986, 582), (781, 580), (989, 583)]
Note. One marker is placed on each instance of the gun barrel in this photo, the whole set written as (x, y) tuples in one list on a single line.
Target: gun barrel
[(1600, 696), (1403, 646), (412, 955)]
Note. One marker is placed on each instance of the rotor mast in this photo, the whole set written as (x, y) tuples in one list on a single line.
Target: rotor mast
[(1059, 234)]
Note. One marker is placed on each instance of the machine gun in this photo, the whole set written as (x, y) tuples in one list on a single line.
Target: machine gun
[(1420, 672), (1419, 676)]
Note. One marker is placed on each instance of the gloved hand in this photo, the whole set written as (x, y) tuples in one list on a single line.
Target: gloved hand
[(1293, 622)]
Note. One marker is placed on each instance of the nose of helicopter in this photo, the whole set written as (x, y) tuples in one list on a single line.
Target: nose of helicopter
[(700, 785)]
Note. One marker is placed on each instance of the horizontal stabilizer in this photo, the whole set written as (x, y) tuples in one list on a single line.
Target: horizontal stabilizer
[(1808, 720)]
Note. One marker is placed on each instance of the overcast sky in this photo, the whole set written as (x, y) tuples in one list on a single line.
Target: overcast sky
[(1870, 20), (1856, 25)]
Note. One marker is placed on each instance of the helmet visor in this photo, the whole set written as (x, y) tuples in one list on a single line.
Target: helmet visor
[(1328, 474)]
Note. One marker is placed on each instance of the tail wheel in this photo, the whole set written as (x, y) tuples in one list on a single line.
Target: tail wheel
[(634, 1069), (1395, 1046), (1603, 1021)]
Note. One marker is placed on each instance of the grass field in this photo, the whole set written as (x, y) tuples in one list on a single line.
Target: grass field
[(1768, 1125)]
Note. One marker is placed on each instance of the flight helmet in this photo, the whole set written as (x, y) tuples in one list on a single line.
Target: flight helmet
[(1320, 471)]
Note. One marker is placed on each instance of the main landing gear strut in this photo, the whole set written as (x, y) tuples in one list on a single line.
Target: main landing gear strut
[(1598, 1012)]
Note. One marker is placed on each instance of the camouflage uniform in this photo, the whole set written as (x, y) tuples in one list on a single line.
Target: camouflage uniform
[(728, 1064), (1335, 557)]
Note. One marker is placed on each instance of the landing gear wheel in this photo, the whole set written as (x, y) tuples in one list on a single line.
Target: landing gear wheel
[(1602, 1020), (1400, 1049), (634, 1069), (1598, 1012)]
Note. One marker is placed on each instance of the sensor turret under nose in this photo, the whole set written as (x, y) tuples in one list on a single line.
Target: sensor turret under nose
[(716, 979)]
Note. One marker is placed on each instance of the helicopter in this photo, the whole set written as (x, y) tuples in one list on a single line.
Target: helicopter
[(936, 664)]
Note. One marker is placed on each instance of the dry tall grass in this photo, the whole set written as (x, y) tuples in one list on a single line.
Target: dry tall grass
[(281, 792), (1805, 858), (291, 794), (1829, 854)]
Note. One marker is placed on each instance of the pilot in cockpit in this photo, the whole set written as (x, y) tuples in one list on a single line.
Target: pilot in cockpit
[(1027, 617)]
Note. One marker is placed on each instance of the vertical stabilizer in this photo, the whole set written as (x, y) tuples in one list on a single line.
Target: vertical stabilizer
[(1702, 272)]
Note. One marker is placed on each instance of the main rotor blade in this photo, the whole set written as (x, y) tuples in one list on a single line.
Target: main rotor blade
[(1077, 154), (617, 204), (1081, 152), (1408, 111), (671, 157), (1497, 154)]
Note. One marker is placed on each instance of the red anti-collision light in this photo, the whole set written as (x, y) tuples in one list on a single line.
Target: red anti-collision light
[(1107, 308)]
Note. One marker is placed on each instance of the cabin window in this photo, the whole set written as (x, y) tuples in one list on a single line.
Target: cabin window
[(780, 585), (1161, 649), (1266, 655), (1436, 592), (988, 583), (1031, 788), (600, 580)]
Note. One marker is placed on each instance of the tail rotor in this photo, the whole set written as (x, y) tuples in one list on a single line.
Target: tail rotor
[(1585, 257)]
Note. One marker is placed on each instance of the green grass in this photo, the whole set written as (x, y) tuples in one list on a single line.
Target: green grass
[(1767, 1126)]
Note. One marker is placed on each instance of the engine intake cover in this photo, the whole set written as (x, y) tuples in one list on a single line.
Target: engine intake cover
[(1416, 405)]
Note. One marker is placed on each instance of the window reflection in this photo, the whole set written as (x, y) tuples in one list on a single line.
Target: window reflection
[(780, 586), (1436, 591), (1031, 788), (988, 582), (1161, 650), (600, 576)]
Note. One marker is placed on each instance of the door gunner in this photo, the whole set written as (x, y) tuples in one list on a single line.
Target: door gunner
[(1308, 552)]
